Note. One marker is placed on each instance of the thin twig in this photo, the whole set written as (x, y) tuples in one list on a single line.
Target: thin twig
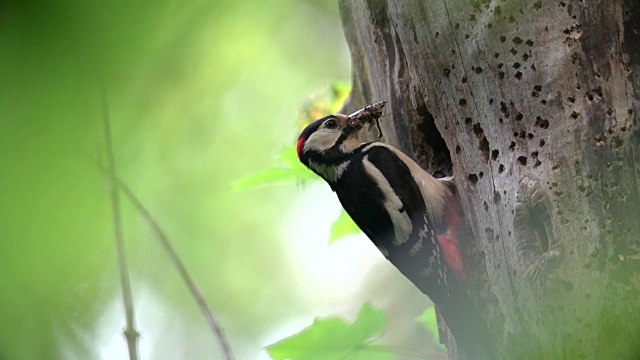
[(130, 332), (213, 323), (184, 273)]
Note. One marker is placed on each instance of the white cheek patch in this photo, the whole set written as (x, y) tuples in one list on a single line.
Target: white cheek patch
[(322, 140), (401, 223)]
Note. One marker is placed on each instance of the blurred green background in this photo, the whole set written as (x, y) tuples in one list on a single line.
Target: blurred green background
[(200, 94)]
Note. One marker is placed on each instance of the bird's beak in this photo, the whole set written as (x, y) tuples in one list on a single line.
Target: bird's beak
[(367, 115)]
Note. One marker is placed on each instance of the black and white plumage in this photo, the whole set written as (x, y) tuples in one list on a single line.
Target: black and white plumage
[(413, 218)]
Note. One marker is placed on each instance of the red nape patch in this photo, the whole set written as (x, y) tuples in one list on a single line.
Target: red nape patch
[(301, 146)]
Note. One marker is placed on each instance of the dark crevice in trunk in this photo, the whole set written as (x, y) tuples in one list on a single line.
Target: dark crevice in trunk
[(428, 145)]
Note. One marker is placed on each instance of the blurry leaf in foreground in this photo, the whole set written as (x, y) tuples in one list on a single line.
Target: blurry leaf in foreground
[(333, 338), (341, 92), (343, 227), (326, 101), (428, 319), (290, 170)]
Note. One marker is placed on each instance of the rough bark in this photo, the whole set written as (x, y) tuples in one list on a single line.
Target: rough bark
[(533, 106)]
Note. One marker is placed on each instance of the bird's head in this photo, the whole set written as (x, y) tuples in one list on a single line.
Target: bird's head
[(329, 138)]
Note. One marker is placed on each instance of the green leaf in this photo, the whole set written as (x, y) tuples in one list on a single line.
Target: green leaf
[(289, 157), (334, 339), (430, 322), (341, 91), (291, 170), (343, 227)]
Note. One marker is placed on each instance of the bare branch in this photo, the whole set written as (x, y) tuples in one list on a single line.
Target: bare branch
[(184, 273), (213, 323), (130, 332)]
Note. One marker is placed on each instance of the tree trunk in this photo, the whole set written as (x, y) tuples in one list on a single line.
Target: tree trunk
[(533, 106)]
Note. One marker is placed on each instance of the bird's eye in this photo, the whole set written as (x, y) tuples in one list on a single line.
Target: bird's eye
[(330, 124)]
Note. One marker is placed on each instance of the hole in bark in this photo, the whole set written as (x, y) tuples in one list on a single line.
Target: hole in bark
[(529, 42), (477, 130), (518, 75), (484, 148), (542, 123), (486, 208), (516, 65), (463, 102), (512, 146), (513, 51), (480, 174), (379, 14), (494, 154), (536, 248), (542, 142), (575, 115), (543, 102), (468, 121), (517, 40), (522, 160), (519, 117), (589, 96), (501, 75), (539, 229), (500, 169), (473, 179), (428, 145), (502, 38), (503, 109), (535, 156), (496, 198)]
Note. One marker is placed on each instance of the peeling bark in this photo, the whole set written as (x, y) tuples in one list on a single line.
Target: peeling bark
[(533, 106)]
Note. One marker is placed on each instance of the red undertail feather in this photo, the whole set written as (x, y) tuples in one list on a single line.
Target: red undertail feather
[(450, 243)]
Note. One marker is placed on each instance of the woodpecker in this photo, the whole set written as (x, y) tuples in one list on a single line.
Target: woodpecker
[(414, 219)]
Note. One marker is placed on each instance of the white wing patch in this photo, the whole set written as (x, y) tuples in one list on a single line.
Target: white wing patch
[(401, 223), (434, 192)]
